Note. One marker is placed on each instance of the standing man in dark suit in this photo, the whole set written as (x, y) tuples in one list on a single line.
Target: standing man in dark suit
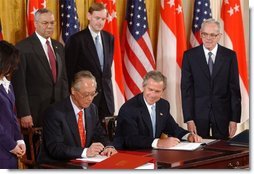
[(210, 88), (92, 49), (41, 76), (12, 145), (71, 127), (143, 120)]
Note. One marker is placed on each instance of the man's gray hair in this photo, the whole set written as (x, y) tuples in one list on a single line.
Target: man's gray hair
[(41, 11), (209, 21), (79, 76)]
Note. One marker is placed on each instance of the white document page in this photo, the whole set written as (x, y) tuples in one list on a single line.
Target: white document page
[(97, 158)]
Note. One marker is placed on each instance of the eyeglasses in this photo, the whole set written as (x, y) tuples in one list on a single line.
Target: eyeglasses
[(206, 35), (86, 95)]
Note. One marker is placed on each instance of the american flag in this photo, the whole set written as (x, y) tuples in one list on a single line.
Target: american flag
[(32, 7), (138, 56), (202, 11), (1, 35), (68, 18)]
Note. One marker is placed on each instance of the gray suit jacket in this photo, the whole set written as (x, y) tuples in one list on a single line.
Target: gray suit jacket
[(33, 81)]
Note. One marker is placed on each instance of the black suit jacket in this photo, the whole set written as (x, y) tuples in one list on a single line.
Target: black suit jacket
[(219, 93), (61, 139), (134, 126), (33, 81), (81, 55)]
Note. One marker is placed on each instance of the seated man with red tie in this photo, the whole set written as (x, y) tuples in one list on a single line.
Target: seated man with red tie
[(71, 127)]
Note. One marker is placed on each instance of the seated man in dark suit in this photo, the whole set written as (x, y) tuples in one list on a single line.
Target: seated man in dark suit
[(71, 127), (144, 118)]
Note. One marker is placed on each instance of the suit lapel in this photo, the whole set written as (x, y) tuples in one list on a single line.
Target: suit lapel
[(105, 50), (41, 54), (88, 125), (58, 59), (159, 119), (72, 122), (91, 47), (202, 61), (144, 113), (218, 62), (9, 95)]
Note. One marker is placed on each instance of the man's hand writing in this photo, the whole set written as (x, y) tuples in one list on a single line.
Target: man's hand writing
[(108, 151), (168, 142), (94, 149)]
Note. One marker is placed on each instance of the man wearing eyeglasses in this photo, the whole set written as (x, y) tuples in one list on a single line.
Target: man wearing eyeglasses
[(211, 98), (71, 128), (40, 79)]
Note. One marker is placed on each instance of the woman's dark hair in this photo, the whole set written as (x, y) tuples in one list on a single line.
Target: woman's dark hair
[(9, 58)]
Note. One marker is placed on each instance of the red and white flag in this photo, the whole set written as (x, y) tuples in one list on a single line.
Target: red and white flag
[(32, 7), (170, 48), (117, 72), (231, 16), (137, 51)]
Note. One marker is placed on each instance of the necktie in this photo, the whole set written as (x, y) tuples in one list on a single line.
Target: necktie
[(153, 119), (99, 51), (81, 129), (52, 60), (210, 63)]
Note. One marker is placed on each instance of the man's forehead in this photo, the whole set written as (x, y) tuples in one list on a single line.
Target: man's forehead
[(88, 82)]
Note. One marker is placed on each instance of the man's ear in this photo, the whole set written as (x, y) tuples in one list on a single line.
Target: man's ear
[(88, 16), (72, 90)]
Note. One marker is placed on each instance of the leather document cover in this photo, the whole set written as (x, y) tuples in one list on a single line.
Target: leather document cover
[(241, 139), (123, 161)]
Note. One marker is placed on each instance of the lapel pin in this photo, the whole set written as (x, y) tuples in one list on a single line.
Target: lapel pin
[(161, 114)]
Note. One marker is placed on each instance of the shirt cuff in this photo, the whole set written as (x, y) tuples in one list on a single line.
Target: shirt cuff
[(21, 142), (155, 141), (83, 155), (185, 137)]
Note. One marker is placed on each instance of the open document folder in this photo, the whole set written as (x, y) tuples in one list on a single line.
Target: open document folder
[(184, 145), (121, 161), (241, 139)]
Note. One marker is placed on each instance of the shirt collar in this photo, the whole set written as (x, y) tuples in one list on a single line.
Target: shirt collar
[(75, 108), (214, 51), (94, 34), (42, 39), (147, 105), (5, 83)]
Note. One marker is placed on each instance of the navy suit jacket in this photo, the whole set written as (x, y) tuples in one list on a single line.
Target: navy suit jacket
[(81, 54), (219, 93), (61, 139), (9, 129), (33, 82), (134, 126)]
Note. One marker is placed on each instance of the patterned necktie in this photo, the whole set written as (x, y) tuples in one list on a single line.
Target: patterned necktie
[(210, 63), (52, 60), (99, 50), (153, 119), (81, 129)]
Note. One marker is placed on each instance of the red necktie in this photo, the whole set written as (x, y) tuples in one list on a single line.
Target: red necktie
[(81, 129), (52, 60)]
